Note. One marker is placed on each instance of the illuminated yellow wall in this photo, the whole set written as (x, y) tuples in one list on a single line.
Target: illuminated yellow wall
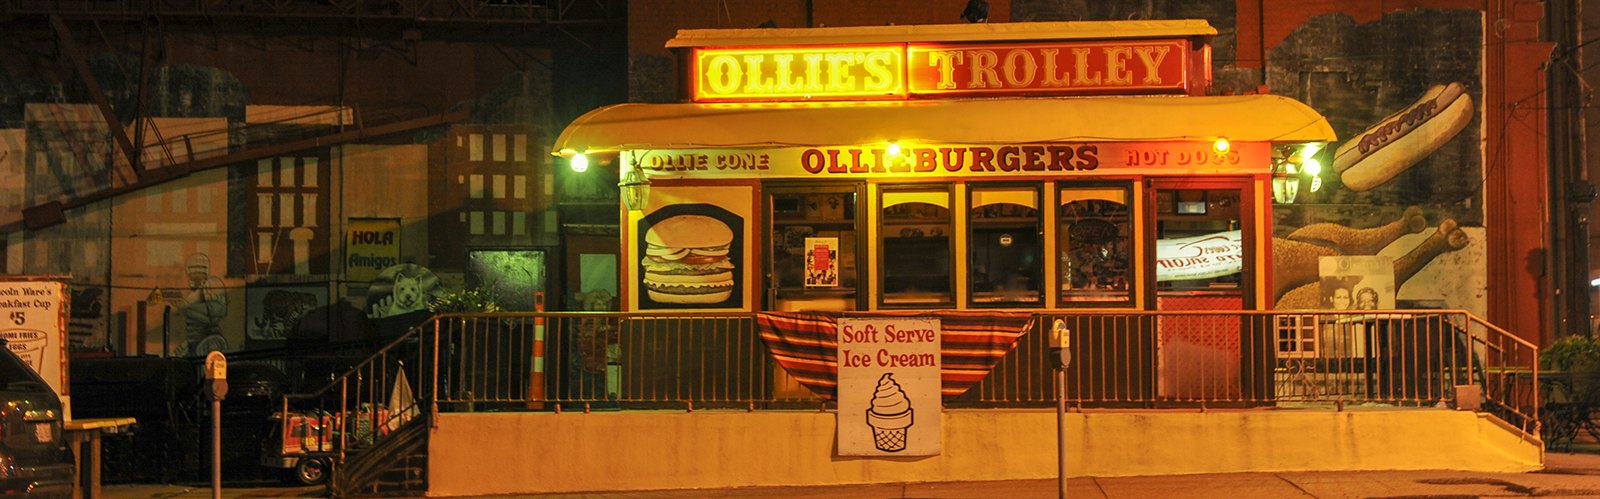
[(507, 453)]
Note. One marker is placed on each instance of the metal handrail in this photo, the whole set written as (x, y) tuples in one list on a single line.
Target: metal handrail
[(520, 361), (1428, 353), (352, 409)]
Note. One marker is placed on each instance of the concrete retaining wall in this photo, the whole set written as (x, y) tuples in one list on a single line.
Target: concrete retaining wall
[(507, 453)]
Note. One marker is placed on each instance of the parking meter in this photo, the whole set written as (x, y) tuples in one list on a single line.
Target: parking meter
[(1060, 345), (216, 371), (216, 374)]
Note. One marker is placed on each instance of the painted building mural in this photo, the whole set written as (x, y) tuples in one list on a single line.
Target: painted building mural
[(252, 255), (1405, 184)]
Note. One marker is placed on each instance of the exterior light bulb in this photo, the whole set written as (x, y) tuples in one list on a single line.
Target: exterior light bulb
[(1221, 145), (894, 149), (1312, 167), (580, 163)]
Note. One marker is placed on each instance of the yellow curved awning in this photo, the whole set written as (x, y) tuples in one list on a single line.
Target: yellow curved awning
[(1245, 118)]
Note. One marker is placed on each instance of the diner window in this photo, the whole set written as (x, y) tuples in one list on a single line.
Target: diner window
[(1004, 247), (1094, 240), (814, 243), (1198, 240), (915, 257)]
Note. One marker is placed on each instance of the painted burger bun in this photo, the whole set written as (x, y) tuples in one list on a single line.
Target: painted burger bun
[(686, 260)]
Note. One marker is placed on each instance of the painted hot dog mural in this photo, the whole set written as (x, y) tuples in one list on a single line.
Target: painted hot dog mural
[(1405, 182), (1365, 161), (1402, 139)]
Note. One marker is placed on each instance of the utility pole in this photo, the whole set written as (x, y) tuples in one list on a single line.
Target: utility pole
[(1570, 188)]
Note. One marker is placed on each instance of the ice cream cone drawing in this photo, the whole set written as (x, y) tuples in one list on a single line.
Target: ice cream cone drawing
[(890, 415)]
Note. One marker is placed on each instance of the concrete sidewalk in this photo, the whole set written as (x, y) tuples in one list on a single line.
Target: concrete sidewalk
[(1565, 475)]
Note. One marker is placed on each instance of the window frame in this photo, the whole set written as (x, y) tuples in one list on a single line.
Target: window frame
[(1042, 282), (880, 270), (772, 189), (1133, 238)]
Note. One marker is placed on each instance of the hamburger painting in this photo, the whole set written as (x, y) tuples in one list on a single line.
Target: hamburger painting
[(690, 258)]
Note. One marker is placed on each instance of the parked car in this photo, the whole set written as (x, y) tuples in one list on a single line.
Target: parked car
[(34, 457)]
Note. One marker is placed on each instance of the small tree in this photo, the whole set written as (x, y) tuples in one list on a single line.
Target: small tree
[(1572, 353)]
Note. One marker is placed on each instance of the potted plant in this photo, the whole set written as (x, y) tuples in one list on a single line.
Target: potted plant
[(1571, 387)]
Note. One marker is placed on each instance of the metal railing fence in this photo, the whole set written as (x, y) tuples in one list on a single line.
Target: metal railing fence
[(1121, 358), (599, 361)]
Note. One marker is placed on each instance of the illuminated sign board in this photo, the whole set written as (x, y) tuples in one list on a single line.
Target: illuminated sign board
[(800, 73), (1047, 68), (957, 160), (900, 71)]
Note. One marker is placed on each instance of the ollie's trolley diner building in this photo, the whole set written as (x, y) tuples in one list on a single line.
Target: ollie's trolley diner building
[(959, 183), (981, 166)]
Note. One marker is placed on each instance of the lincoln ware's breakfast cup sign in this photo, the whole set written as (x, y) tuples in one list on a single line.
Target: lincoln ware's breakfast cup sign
[(33, 323), (889, 399)]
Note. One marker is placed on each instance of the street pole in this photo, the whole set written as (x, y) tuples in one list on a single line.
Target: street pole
[(216, 375), (216, 447), (166, 329), (1061, 431), (1061, 357)]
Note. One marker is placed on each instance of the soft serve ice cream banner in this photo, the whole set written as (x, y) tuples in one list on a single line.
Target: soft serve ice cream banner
[(889, 400)]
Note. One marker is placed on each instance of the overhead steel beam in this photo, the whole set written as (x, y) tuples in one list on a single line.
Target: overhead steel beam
[(69, 47)]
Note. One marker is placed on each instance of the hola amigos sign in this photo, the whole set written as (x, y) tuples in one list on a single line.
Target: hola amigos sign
[(372, 244)]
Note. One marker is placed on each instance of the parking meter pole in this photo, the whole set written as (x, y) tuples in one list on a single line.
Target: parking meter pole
[(216, 374), (1060, 358), (166, 331), (1061, 430), (216, 448)]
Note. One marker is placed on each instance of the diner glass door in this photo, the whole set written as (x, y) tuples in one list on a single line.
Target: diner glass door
[(812, 248), (1201, 232)]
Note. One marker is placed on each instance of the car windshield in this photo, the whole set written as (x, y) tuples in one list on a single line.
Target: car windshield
[(15, 374)]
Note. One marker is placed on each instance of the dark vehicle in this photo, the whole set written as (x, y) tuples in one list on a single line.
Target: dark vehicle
[(34, 458)]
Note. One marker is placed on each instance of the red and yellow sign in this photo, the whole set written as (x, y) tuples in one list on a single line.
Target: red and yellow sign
[(900, 71), (1047, 68), (854, 72), (960, 160)]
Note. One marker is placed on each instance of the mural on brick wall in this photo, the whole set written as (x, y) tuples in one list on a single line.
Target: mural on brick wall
[(1404, 183), (276, 312), (269, 229)]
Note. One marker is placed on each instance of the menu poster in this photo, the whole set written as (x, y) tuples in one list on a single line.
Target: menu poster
[(890, 402), (822, 262), (34, 315)]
